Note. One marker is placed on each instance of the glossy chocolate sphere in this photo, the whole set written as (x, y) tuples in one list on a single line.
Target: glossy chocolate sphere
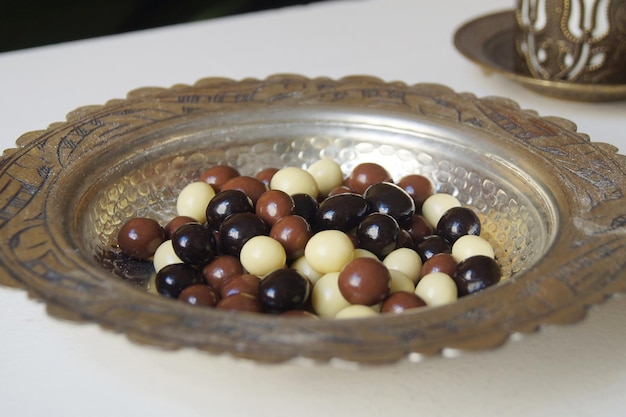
[(237, 229), (225, 204), (283, 290), (341, 212), (194, 243), (378, 233)]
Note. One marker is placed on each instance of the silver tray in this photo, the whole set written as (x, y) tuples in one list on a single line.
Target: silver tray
[(551, 201)]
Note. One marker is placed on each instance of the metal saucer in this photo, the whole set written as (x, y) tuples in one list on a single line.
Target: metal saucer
[(488, 41)]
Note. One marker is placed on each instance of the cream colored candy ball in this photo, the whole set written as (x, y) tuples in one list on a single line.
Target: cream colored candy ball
[(293, 180), (405, 260), (165, 255), (356, 311), (436, 289), (436, 205), (363, 253), (261, 255), (400, 282), (471, 245), (194, 199), (327, 174), (329, 251), (304, 267), (326, 298)]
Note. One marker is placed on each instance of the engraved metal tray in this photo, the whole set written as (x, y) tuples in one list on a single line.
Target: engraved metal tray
[(551, 202)]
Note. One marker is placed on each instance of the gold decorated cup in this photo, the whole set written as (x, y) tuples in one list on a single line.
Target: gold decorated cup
[(573, 41)]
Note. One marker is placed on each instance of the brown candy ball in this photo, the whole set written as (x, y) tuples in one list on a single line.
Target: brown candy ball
[(251, 186), (293, 232), (366, 174), (241, 302), (273, 205), (418, 187), (140, 237), (200, 295), (265, 175), (220, 269), (218, 175), (342, 189), (175, 223), (247, 283), (364, 281), (441, 262), (401, 301), (418, 228)]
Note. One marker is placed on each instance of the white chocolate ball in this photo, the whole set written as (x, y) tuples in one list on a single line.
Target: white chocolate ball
[(194, 199), (356, 311), (363, 253), (436, 289), (400, 282), (436, 205), (165, 255), (327, 174), (471, 245), (329, 251), (261, 255), (293, 180), (405, 260), (326, 298), (304, 267)]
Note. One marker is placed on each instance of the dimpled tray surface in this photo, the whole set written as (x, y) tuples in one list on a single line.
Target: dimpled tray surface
[(550, 201)]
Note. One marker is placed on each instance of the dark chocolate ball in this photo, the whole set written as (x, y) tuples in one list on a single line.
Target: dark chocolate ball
[(283, 290), (172, 279), (476, 273), (388, 198), (306, 207), (378, 233), (237, 229), (457, 222), (432, 245), (194, 243), (225, 204), (341, 212)]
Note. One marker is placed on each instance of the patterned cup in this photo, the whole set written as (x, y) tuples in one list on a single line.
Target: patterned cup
[(578, 41)]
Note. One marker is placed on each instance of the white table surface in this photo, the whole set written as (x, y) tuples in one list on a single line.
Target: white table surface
[(54, 368)]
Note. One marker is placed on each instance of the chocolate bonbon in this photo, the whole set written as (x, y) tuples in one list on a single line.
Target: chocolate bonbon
[(364, 281), (194, 243), (226, 203), (296, 241), (341, 212), (378, 233), (140, 237), (218, 175), (200, 295)]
